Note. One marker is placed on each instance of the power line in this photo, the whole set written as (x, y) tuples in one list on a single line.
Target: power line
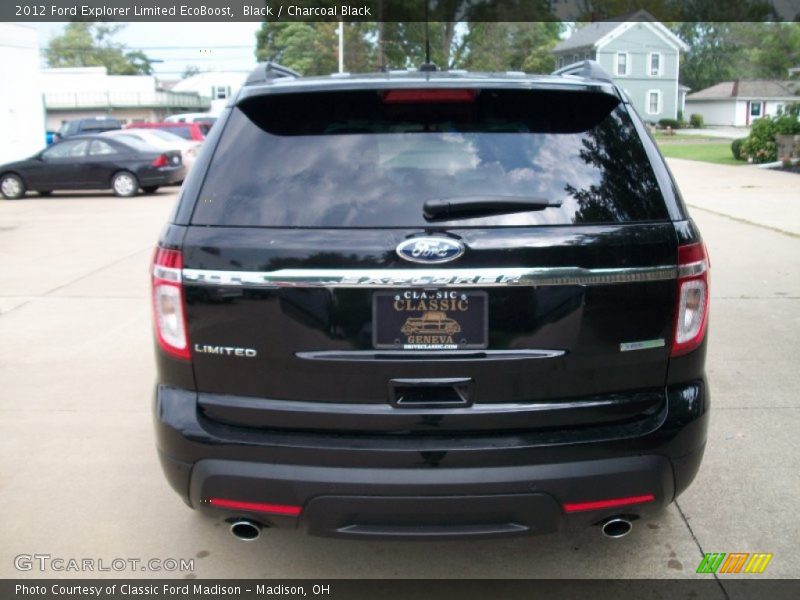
[(161, 48)]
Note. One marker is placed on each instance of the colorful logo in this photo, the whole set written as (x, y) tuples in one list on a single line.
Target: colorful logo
[(734, 562)]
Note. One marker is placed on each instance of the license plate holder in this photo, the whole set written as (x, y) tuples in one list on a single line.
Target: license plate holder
[(430, 320)]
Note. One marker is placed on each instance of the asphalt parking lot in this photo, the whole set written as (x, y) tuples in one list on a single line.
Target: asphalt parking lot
[(79, 477)]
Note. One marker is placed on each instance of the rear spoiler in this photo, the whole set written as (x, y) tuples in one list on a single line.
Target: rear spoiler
[(588, 69), (269, 70)]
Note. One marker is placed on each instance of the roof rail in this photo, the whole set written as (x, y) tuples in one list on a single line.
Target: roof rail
[(590, 69), (266, 71)]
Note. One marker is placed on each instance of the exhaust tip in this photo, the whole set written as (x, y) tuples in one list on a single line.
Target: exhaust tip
[(246, 531), (616, 527)]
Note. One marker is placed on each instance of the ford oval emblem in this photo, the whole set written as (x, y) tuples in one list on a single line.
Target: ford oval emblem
[(430, 250)]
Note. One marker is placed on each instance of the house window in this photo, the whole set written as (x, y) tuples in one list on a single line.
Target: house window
[(622, 63), (220, 92), (755, 109), (655, 64), (653, 102)]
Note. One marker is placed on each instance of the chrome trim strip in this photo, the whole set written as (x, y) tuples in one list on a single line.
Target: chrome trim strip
[(692, 269), (459, 278), (427, 356)]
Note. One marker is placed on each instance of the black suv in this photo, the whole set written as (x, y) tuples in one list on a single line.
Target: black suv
[(430, 305)]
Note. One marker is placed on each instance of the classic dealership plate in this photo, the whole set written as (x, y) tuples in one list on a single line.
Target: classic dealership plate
[(430, 319)]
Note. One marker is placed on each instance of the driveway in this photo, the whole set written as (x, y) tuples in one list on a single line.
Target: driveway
[(718, 131), (79, 476)]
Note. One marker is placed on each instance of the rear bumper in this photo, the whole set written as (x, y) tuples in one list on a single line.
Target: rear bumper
[(162, 176), (429, 487), (430, 503)]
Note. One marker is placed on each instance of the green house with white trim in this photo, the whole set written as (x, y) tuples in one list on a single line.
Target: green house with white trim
[(640, 54)]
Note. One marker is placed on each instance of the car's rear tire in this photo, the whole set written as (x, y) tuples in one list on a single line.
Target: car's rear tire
[(12, 186), (124, 184), (150, 189)]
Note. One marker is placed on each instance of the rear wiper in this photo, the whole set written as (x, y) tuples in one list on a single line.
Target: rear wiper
[(476, 206)]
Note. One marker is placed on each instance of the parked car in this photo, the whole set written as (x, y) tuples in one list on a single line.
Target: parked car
[(84, 126), (191, 118), (559, 381), (162, 139), (188, 131), (93, 162)]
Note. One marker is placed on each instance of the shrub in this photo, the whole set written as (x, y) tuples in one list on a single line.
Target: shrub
[(674, 123), (760, 145), (736, 149), (680, 116), (787, 124), (696, 121)]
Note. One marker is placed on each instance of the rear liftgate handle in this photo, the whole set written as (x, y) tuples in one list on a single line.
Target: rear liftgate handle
[(451, 392)]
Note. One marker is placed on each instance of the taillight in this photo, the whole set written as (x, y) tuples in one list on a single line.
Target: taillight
[(168, 306), (443, 95), (161, 161), (691, 303)]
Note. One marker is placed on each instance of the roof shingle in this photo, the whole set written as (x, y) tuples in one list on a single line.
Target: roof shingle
[(756, 88)]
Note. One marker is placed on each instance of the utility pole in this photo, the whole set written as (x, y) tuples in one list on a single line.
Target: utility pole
[(341, 46), (381, 53)]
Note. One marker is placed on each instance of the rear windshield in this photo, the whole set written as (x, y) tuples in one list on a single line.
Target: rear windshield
[(101, 125), (371, 159)]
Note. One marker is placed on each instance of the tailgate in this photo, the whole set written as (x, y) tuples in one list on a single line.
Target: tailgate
[(570, 316)]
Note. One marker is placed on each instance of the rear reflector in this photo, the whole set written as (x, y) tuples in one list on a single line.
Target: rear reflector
[(168, 306), (161, 161), (610, 503), (408, 96), (691, 302), (275, 509)]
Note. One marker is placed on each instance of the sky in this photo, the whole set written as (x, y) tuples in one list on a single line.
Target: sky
[(226, 46)]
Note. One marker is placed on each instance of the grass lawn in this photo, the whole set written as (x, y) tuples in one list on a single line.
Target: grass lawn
[(716, 151), (678, 137)]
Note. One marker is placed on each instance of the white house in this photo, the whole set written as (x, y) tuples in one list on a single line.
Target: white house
[(741, 102), (21, 109), (641, 55), (218, 85), (73, 93)]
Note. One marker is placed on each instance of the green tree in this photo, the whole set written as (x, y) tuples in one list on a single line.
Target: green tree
[(726, 51), (312, 48), (403, 44), (712, 56), (769, 50), (511, 46), (92, 45), (190, 71)]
